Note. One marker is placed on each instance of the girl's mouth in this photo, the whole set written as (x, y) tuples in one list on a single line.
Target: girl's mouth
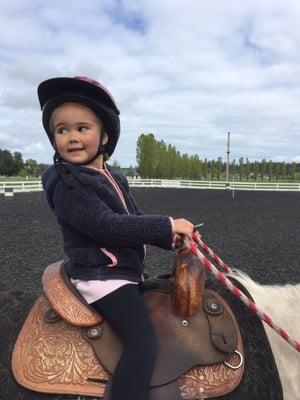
[(74, 150)]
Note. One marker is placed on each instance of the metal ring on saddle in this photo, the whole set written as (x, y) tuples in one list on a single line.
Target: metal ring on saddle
[(239, 364)]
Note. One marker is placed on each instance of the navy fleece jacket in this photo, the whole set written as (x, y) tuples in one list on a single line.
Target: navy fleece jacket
[(101, 238)]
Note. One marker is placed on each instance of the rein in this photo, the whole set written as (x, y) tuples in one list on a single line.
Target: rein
[(192, 246)]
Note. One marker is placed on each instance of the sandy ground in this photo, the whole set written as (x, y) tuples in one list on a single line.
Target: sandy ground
[(258, 232)]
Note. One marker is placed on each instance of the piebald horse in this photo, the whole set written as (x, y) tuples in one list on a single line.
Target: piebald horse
[(282, 302)]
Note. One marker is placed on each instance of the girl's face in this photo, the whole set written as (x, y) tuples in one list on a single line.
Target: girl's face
[(76, 130)]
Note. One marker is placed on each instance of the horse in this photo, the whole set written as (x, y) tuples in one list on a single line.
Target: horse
[(283, 303), (264, 365)]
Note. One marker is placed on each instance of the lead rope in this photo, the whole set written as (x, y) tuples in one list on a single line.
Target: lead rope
[(192, 246)]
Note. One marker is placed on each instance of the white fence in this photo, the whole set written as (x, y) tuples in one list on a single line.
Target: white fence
[(292, 186), (9, 188)]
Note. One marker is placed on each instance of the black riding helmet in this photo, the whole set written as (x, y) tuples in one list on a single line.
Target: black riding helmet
[(54, 92)]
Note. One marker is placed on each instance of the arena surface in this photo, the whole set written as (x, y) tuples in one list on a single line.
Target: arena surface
[(258, 232)]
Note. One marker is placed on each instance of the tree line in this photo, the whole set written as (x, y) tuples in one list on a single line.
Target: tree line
[(156, 159), (12, 164)]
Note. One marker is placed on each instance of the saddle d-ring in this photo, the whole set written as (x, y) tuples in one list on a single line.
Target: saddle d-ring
[(239, 364)]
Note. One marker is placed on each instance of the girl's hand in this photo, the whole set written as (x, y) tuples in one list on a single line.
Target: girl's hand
[(184, 227), (179, 239)]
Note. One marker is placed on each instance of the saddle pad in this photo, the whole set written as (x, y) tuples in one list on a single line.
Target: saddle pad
[(54, 358)]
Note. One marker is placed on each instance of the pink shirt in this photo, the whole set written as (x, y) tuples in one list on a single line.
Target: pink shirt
[(92, 291)]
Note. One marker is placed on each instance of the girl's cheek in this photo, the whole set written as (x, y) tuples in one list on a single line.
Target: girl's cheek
[(91, 142), (60, 144)]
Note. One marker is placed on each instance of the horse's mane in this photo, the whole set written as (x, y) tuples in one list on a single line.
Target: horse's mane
[(282, 303)]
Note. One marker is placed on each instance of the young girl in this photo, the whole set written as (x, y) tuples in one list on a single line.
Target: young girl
[(103, 229)]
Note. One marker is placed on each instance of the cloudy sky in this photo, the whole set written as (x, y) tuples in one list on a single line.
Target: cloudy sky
[(187, 71)]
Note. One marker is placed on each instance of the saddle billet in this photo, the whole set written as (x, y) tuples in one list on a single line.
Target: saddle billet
[(56, 352)]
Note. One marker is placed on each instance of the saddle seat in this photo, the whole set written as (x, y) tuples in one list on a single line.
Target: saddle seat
[(191, 355)]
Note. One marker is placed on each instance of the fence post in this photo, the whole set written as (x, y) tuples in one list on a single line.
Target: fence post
[(8, 191)]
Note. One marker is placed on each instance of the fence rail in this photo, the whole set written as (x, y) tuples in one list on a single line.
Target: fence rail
[(278, 186), (9, 188)]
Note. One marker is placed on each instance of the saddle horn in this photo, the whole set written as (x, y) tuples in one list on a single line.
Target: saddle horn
[(189, 283)]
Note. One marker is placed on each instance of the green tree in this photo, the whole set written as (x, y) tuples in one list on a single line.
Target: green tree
[(212, 169), (185, 166), (146, 155), (42, 168), (233, 168), (270, 170), (219, 167), (263, 169), (18, 162), (131, 171), (116, 166), (277, 171), (31, 166), (283, 170), (205, 168), (293, 172), (255, 170), (247, 169), (241, 168), (7, 166)]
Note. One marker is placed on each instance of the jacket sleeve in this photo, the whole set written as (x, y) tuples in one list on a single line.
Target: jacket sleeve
[(83, 210)]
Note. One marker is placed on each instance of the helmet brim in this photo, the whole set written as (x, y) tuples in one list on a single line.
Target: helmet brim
[(55, 87)]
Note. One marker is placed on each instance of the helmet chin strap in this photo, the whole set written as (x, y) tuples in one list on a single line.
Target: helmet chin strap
[(101, 150)]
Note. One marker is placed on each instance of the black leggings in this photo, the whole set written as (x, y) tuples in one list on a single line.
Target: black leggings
[(126, 313)]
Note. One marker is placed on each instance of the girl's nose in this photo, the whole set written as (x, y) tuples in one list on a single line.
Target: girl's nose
[(73, 136)]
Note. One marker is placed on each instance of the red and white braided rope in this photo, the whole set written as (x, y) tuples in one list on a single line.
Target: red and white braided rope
[(233, 289), (225, 267)]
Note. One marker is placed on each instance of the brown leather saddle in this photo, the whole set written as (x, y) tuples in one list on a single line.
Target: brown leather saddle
[(65, 347)]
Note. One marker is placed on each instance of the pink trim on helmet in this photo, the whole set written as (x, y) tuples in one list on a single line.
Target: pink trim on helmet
[(96, 83)]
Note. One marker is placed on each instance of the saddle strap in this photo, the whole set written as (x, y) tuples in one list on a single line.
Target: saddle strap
[(223, 327)]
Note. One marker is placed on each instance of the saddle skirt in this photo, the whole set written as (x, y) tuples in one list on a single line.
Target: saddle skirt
[(67, 348)]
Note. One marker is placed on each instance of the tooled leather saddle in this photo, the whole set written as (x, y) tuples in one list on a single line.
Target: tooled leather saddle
[(65, 347)]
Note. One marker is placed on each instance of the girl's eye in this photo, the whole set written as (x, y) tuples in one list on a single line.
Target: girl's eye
[(61, 130), (83, 128)]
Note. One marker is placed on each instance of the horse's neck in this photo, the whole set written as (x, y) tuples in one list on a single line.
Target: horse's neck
[(282, 303)]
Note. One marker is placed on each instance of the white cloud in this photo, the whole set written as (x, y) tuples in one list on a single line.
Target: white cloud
[(296, 159), (186, 71)]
